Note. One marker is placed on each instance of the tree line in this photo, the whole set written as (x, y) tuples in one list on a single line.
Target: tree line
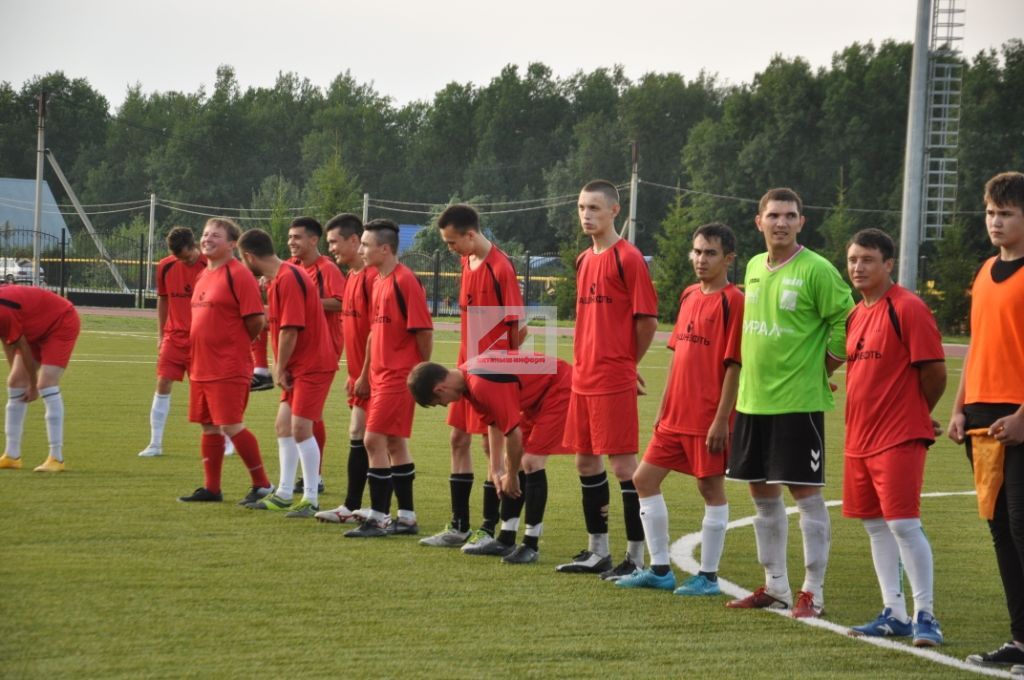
[(521, 145)]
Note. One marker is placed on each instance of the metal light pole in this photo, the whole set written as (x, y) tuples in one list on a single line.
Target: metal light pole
[(37, 222)]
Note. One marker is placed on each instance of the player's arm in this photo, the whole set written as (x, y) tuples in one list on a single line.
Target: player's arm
[(718, 433), (834, 305), (932, 378), (957, 420), (254, 324), (286, 340), (425, 343), (362, 384), (513, 460), (21, 346), (664, 394), (1009, 430), (644, 327), (331, 304), (496, 455), (162, 307)]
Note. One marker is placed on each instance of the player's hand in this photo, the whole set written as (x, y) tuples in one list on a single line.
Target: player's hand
[(641, 385), (284, 380), (832, 386), (718, 436), (32, 393), (1009, 430), (510, 485), (264, 282), (956, 430), (936, 428), (362, 387)]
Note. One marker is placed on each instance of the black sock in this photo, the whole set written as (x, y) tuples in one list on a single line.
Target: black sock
[(402, 476), (358, 463), (595, 502), (660, 569), (491, 507), (461, 485), (709, 575), (536, 500), (380, 489), (631, 512)]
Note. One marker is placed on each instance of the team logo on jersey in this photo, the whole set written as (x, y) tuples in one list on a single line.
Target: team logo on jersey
[(382, 318), (758, 327), (787, 300), (593, 296), (860, 353), (691, 337)]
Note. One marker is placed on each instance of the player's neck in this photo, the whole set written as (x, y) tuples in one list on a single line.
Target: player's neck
[(777, 256), (1012, 252), (309, 258), (357, 266), (877, 293), (385, 268), (212, 263), (603, 242), (715, 285), (482, 250)]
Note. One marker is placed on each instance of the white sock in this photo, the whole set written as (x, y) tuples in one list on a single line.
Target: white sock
[(885, 553), (54, 421), (229, 446), (261, 371), (288, 456), (712, 537), (816, 528), (916, 552), (158, 419), (14, 420), (771, 531), (654, 516), (309, 454), (510, 524), (534, 530), (407, 516), (598, 544), (635, 551)]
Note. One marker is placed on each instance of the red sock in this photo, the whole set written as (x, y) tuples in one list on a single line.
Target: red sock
[(320, 434), (259, 350), (249, 451), (212, 447)]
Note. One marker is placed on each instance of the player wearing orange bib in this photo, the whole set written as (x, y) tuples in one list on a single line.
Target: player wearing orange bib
[(616, 317), (39, 330)]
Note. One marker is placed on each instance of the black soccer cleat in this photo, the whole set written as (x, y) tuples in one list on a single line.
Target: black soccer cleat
[(202, 495)]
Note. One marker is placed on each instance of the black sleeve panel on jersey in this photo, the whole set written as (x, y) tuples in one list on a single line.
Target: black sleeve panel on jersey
[(298, 279), (894, 319), (497, 284), (165, 271)]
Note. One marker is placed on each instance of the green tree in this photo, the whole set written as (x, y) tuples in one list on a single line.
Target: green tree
[(674, 271), (272, 208), (333, 189)]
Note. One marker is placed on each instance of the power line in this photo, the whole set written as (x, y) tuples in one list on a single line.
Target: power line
[(238, 210), (3, 202)]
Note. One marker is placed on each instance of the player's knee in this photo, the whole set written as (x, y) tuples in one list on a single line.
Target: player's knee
[(533, 463), (905, 528)]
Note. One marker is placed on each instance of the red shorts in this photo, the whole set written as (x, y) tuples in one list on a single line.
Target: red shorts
[(887, 484), (218, 402), (462, 416), (391, 413), (55, 349), (686, 453), (602, 424), (309, 394), (172, 362), (353, 400)]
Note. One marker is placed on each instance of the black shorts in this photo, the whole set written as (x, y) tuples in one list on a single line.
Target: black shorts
[(788, 448)]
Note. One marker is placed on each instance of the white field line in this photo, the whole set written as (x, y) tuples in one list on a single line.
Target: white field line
[(683, 555)]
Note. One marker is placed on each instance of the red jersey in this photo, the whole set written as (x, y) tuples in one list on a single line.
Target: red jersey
[(174, 281), (221, 299), (30, 312), (294, 303), (355, 317), (613, 288), (705, 340), (501, 398), (885, 345), (330, 283), (399, 310), (492, 284)]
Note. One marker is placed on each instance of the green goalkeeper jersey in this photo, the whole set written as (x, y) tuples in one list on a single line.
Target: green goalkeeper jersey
[(794, 313)]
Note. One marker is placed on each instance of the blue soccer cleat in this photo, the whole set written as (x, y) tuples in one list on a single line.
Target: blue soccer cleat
[(699, 584), (646, 578), (926, 631), (886, 625)]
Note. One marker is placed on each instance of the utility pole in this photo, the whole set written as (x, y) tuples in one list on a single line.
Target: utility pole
[(37, 222), (149, 242), (366, 207), (634, 183)]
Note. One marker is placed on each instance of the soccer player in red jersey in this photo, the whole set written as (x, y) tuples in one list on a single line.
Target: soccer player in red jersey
[(694, 425), (304, 244), (488, 280), (39, 330), (525, 415), (616, 317), (401, 336), (227, 313), (896, 373), (304, 367), (343, 234)]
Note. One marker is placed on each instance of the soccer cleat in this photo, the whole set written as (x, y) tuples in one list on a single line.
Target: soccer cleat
[(449, 538), (926, 631), (303, 508), (403, 528), (886, 625), (624, 568), (257, 493), (1007, 655), (806, 608), (151, 452), (202, 495), (260, 383), (586, 562), (371, 528), (523, 554), (362, 514), (271, 502), (299, 488), (488, 546), (646, 578), (698, 584), (339, 515), (1017, 669), (8, 463), (759, 599), (51, 464)]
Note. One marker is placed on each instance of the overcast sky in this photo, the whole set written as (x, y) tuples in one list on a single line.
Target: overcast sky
[(411, 49)]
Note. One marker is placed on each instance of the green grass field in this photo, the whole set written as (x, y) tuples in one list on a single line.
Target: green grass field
[(104, 574)]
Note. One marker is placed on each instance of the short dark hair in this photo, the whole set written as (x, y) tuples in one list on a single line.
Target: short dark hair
[(460, 217), (602, 186), (720, 231), (783, 195), (256, 242), (1006, 190), (349, 224), (180, 239), (309, 224), (422, 380), (230, 227), (385, 231), (876, 239)]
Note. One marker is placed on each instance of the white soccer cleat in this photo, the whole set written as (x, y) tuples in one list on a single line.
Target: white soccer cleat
[(151, 452)]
